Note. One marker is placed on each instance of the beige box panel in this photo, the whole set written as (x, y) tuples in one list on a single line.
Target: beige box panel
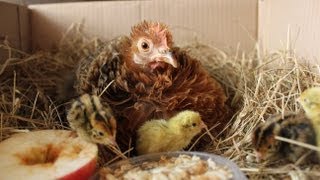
[(9, 26), (300, 18), (9, 23), (100, 19), (25, 29), (222, 23), (12, 1)]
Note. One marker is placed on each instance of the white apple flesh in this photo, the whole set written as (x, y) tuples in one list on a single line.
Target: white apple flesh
[(47, 154)]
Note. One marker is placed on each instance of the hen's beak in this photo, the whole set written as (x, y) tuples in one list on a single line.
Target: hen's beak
[(167, 58)]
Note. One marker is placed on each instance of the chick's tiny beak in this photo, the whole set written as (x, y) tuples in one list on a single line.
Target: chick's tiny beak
[(112, 142), (203, 125), (299, 99), (167, 58), (259, 156)]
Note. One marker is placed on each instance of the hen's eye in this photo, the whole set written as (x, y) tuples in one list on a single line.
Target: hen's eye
[(145, 46)]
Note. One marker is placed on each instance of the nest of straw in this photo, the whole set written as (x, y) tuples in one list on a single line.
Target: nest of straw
[(256, 89)]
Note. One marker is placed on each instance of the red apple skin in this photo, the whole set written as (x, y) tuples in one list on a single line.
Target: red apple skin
[(84, 173)]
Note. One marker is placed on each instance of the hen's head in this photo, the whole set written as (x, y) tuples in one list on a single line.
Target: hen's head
[(151, 45)]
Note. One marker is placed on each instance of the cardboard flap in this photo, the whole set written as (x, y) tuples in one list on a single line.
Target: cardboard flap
[(293, 20), (222, 23), (100, 19), (15, 26)]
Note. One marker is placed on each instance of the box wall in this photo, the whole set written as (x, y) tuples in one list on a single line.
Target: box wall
[(222, 23), (293, 20), (14, 27), (100, 19), (9, 29)]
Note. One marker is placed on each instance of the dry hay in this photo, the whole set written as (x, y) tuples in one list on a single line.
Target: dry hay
[(256, 90)]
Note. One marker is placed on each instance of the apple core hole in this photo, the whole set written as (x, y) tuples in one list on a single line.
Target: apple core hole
[(44, 155)]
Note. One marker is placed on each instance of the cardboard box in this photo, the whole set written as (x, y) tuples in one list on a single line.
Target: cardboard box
[(225, 24), (15, 26)]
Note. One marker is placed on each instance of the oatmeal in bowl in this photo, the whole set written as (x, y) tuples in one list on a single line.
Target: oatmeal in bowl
[(172, 165)]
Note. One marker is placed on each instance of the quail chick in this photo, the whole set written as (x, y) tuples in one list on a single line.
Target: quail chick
[(292, 126), (92, 121), (173, 134), (310, 101)]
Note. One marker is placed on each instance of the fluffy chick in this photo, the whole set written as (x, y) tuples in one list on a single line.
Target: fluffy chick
[(310, 101), (92, 121), (173, 134), (292, 126)]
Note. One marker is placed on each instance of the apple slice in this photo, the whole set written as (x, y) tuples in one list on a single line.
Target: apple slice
[(47, 154)]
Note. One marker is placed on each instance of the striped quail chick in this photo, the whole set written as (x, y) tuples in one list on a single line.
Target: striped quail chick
[(92, 121), (292, 126)]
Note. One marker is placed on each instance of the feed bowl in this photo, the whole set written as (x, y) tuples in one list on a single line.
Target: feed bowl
[(141, 161)]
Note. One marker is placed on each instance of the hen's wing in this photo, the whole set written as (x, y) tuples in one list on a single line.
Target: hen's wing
[(193, 88), (105, 74), (96, 72)]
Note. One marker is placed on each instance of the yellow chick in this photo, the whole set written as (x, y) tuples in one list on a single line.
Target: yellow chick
[(310, 101), (92, 121), (173, 134)]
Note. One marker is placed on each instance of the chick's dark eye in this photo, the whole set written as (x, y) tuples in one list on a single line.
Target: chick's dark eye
[(194, 124), (145, 45), (101, 133)]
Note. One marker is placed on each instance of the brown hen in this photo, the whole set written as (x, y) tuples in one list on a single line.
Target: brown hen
[(151, 79)]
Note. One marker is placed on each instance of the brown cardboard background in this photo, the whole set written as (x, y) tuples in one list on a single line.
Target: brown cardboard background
[(100, 19), (14, 26), (222, 23), (25, 28), (302, 18), (9, 26)]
